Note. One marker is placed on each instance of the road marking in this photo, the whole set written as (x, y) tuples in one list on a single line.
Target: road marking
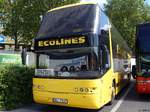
[(116, 107)]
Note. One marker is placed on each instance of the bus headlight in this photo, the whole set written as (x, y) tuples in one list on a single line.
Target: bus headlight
[(38, 87), (85, 90)]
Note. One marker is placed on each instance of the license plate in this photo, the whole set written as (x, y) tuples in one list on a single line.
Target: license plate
[(60, 100)]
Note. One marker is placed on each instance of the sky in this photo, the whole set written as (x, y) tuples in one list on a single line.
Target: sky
[(148, 1), (101, 2)]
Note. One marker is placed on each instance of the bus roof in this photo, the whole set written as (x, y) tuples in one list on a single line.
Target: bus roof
[(72, 5)]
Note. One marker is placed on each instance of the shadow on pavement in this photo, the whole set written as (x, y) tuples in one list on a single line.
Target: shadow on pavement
[(66, 109), (49, 108)]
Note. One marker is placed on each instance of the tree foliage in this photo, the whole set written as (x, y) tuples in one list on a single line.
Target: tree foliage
[(22, 17), (125, 15), (15, 86)]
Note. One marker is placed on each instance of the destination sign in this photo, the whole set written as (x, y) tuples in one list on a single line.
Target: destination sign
[(61, 41), (51, 43)]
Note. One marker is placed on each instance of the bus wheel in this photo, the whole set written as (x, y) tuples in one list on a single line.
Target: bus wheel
[(113, 94)]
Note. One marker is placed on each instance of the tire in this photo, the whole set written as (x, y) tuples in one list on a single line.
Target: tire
[(113, 94)]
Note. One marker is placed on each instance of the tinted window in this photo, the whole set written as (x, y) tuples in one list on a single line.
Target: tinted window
[(144, 37), (104, 60), (67, 21)]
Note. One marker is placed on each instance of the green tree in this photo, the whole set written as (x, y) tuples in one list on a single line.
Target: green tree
[(23, 17), (125, 15)]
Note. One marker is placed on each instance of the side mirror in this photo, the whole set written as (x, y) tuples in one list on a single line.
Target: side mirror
[(134, 72)]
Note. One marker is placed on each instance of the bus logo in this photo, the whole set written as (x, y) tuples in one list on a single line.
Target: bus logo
[(61, 41)]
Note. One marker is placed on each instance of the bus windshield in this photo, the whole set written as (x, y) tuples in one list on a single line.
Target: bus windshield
[(145, 64), (67, 65), (70, 20)]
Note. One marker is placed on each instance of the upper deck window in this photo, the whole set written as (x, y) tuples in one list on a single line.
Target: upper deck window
[(67, 21), (144, 37)]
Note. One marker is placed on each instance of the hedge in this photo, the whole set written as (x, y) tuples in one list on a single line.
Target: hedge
[(15, 86)]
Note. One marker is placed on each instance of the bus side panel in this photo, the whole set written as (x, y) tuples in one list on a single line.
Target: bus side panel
[(143, 85), (107, 86), (122, 75)]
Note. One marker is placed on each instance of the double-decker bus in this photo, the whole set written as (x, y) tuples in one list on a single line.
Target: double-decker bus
[(82, 61), (141, 71)]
